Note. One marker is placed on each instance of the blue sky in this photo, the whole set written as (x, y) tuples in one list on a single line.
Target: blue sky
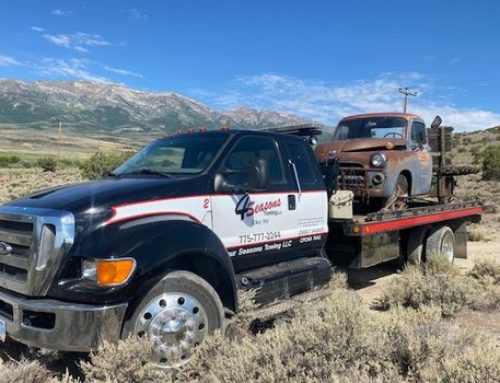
[(320, 59)]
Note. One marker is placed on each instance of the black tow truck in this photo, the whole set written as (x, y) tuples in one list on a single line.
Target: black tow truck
[(161, 247)]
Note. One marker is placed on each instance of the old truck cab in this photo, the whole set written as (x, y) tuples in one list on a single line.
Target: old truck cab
[(383, 157)]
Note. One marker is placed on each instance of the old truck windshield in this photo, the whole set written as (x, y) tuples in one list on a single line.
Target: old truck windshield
[(176, 155), (371, 127)]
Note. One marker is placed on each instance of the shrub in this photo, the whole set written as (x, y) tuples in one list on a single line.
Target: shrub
[(23, 371), (475, 235), (491, 163), (101, 164), (4, 162), (438, 284), (14, 159), (461, 149), (486, 269), (122, 362), (48, 164)]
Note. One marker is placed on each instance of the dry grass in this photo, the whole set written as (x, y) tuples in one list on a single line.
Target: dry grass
[(15, 183)]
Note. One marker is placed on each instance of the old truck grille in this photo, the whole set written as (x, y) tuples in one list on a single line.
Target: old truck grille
[(352, 176), (32, 242)]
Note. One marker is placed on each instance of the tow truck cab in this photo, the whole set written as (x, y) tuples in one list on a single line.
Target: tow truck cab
[(160, 247)]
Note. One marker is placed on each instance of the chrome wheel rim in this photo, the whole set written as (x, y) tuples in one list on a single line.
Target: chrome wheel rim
[(175, 323), (447, 248)]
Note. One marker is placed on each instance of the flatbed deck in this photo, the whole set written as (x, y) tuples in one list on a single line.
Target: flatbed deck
[(370, 239)]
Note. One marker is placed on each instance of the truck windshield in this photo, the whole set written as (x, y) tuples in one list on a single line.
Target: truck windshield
[(371, 127), (176, 155)]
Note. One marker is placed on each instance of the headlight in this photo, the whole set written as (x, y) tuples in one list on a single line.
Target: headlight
[(378, 160), (108, 272)]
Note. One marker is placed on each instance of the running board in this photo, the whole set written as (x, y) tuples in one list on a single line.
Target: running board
[(286, 279)]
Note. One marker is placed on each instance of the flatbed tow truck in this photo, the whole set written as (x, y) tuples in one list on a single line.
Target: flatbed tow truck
[(160, 248)]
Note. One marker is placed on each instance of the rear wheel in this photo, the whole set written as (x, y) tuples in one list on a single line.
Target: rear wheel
[(442, 243), (176, 315)]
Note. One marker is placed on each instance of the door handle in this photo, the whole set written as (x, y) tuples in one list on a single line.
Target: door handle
[(292, 205)]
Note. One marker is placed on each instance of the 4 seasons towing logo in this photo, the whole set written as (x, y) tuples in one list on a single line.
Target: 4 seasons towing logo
[(248, 208)]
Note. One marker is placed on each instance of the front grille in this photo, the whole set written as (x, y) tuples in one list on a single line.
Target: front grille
[(32, 242), (16, 233), (352, 176)]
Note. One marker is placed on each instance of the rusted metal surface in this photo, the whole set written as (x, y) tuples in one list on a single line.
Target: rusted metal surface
[(403, 156)]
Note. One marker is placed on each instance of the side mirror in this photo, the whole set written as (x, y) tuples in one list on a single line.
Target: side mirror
[(437, 122), (258, 175)]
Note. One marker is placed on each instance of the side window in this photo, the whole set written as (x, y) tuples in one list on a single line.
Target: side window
[(418, 135), (245, 152), (303, 162)]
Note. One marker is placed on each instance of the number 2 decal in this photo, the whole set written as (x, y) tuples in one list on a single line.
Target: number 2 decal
[(206, 203)]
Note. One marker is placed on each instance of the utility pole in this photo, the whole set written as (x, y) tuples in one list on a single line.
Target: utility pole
[(406, 93), (59, 144)]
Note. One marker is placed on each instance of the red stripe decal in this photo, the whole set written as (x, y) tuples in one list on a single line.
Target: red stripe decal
[(403, 223), (152, 214)]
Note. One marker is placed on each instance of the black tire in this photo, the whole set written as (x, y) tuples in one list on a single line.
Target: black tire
[(191, 288), (397, 200), (442, 242)]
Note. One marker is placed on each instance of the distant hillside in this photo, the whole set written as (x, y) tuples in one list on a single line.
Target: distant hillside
[(88, 107)]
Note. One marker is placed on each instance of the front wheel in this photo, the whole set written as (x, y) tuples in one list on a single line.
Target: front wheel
[(176, 315), (399, 198)]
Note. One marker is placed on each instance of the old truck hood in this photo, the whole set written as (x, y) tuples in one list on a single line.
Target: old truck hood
[(357, 145)]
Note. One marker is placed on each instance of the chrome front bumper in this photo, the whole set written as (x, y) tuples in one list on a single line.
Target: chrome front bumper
[(60, 325)]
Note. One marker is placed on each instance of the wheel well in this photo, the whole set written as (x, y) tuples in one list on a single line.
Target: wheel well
[(407, 175), (211, 271)]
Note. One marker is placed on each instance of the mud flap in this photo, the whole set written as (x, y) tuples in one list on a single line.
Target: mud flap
[(461, 240)]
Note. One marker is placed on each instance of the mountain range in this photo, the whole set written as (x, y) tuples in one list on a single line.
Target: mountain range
[(85, 106)]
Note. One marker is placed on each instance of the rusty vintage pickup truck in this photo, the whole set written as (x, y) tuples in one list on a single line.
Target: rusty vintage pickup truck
[(383, 157)]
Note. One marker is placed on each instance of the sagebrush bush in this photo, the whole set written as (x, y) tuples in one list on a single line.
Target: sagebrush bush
[(125, 361), (101, 164), (486, 269), (475, 235), (23, 371), (48, 164), (491, 162), (440, 284)]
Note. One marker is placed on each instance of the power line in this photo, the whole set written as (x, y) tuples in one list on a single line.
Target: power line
[(406, 92)]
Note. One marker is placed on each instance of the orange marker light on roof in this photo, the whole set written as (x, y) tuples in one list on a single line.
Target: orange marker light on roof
[(114, 272)]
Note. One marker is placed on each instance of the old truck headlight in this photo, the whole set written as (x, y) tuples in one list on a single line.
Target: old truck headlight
[(378, 160), (108, 272)]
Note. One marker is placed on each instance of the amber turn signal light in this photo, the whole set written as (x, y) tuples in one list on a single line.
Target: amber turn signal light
[(390, 145), (114, 272)]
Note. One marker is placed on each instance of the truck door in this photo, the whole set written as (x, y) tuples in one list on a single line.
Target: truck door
[(423, 164), (310, 220), (254, 225)]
